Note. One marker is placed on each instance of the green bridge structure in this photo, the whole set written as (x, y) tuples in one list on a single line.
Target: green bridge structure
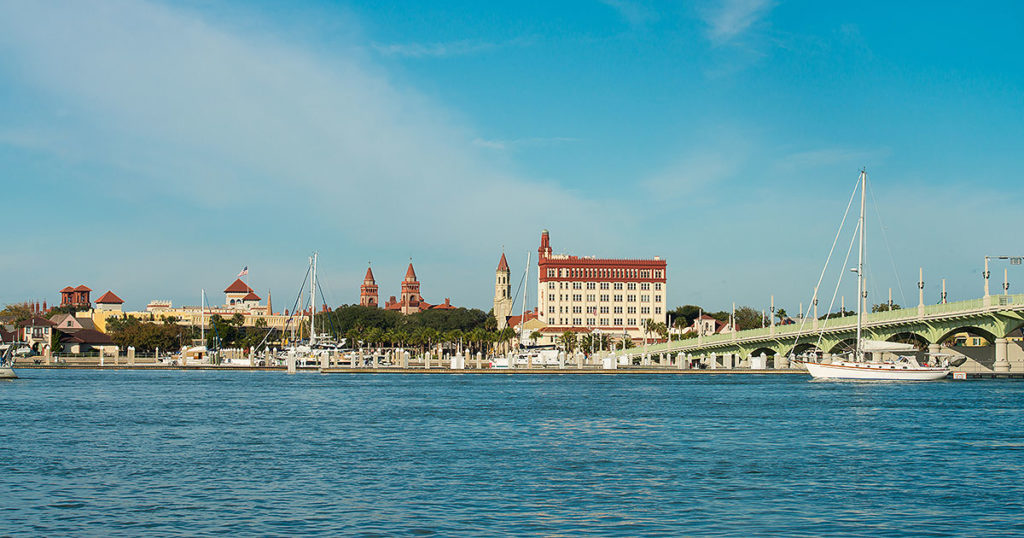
[(992, 317)]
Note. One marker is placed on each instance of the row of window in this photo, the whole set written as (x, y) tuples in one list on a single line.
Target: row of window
[(604, 310), (595, 322), (604, 298), (587, 272), (644, 286)]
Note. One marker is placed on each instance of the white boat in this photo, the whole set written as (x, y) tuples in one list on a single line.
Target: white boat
[(7, 361), (887, 363)]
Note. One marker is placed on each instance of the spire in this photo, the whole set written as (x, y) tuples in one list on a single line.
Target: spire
[(270, 306), (503, 264), (368, 279), (410, 275)]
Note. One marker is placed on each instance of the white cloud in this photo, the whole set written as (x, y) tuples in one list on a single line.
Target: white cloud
[(435, 50), (523, 142), (730, 19), (266, 141), (635, 13)]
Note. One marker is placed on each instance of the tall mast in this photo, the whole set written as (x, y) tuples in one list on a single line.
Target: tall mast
[(312, 302), (859, 353), (522, 316), (202, 316)]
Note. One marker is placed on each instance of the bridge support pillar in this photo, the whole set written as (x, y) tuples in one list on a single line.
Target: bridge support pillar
[(1002, 364), (933, 349), (781, 361), (826, 358)]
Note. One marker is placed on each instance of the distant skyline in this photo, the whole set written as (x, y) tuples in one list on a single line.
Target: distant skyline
[(156, 148)]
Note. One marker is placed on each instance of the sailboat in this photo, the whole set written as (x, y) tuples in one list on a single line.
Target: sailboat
[(856, 366), (7, 360)]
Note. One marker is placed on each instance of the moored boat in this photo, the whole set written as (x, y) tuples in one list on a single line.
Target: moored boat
[(903, 367)]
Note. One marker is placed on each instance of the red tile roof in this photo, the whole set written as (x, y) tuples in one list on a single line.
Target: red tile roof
[(83, 287), (514, 320), (503, 264), (109, 298), (238, 287), (369, 275), (409, 273), (36, 321), (251, 297), (67, 289)]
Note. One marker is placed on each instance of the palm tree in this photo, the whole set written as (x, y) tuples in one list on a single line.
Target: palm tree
[(534, 336), (568, 339)]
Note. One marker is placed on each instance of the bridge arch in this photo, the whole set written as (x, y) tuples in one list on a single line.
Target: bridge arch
[(971, 330), (910, 338), (845, 345), (768, 351), (806, 347)]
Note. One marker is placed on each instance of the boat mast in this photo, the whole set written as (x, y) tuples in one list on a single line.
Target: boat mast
[(859, 353), (202, 316), (312, 302), (522, 316)]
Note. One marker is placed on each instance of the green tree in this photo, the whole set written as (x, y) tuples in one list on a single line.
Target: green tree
[(534, 336), (17, 311), (568, 340), (747, 318), (885, 307)]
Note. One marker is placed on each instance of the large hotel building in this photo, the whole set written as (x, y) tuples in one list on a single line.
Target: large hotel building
[(614, 296)]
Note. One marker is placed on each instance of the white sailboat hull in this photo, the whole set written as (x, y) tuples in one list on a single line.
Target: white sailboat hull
[(874, 371), (7, 372)]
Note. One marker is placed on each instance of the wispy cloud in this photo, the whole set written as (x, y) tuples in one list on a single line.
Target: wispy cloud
[(635, 13), (434, 50), (171, 111), (831, 157), (730, 19), (522, 142)]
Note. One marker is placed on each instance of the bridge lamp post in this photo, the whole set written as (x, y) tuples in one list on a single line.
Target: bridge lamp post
[(1014, 260)]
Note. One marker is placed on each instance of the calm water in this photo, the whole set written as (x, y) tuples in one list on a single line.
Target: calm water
[(203, 453)]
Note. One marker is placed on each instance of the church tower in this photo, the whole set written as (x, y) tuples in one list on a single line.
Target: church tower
[(368, 291), (410, 292), (502, 293)]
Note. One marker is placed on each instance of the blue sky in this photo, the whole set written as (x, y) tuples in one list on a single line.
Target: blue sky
[(156, 148)]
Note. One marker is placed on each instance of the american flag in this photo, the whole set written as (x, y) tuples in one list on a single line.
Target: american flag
[(243, 272)]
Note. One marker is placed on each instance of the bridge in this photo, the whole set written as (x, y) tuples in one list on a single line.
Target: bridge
[(992, 317)]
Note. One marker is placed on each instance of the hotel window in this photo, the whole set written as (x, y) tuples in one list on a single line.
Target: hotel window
[(631, 286), (617, 321), (577, 297), (645, 310), (551, 321), (657, 310), (551, 296), (631, 310), (631, 298), (591, 321), (618, 309), (577, 285), (604, 309), (645, 286), (551, 285), (604, 321), (604, 296), (618, 298), (551, 310), (591, 285), (577, 321), (577, 310), (618, 285), (604, 285), (657, 286), (551, 273), (631, 322), (657, 298), (591, 297), (645, 298)]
